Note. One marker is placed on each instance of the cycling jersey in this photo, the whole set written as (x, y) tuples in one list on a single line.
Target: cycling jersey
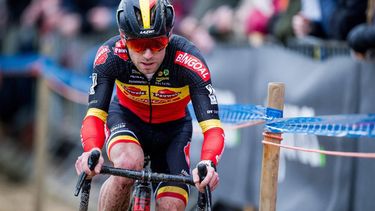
[(182, 76)]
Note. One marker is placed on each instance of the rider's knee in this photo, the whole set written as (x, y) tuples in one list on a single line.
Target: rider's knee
[(127, 161)]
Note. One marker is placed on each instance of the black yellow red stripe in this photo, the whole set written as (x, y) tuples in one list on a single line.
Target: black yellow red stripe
[(208, 124), (173, 191), (98, 113), (145, 12), (120, 139)]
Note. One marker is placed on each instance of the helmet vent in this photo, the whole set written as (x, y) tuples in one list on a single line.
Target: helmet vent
[(138, 15), (153, 15)]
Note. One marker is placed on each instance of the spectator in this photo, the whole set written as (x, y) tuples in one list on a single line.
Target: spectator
[(17, 91), (209, 22), (280, 24), (13, 39), (255, 15), (3, 22), (361, 39), (334, 19), (80, 24), (86, 16), (182, 9)]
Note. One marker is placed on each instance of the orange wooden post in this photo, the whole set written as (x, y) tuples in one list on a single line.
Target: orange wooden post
[(270, 160)]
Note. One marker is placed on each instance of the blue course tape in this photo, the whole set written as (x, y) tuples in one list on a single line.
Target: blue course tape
[(17, 64), (238, 113), (21, 64), (272, 113), (353, 125)]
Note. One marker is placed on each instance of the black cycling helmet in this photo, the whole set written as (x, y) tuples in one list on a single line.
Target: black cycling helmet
[(145, 18)]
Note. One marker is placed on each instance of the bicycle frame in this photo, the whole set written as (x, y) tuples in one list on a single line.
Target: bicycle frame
[(204, 199)]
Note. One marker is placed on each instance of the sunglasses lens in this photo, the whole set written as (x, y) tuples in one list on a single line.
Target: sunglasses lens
[(154, 44)]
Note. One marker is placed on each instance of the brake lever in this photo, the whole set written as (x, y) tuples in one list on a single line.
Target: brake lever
[(204, 198), (92, 161)]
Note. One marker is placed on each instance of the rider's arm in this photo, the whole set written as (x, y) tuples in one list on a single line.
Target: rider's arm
[(93, 129), (205, 105), (213, 141), (103, 77)]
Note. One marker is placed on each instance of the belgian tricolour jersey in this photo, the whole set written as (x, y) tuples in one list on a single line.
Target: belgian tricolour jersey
[(182, 77)]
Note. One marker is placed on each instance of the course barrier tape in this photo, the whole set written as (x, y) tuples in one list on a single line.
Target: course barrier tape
[(74, 87), (63, 81), (349, 125)]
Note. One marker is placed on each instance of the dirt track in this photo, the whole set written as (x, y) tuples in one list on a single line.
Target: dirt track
[(20, 197)]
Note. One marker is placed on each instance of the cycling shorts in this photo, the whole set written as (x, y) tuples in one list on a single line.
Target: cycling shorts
[(167, 144)]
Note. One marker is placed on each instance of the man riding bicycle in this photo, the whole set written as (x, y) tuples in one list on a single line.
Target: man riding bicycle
[(156, 74)]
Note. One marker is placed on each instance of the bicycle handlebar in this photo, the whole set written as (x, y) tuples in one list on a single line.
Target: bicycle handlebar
[(140, 175), (146, 176), (204, 199), (202, 171), (92, 161)]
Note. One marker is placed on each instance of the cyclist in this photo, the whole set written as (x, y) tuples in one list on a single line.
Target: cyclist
[(156, 74)]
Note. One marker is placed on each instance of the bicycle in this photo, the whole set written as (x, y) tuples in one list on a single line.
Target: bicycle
[(141, 195)]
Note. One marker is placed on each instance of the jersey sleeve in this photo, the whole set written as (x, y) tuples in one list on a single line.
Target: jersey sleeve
[(205, 103), (100, 93)]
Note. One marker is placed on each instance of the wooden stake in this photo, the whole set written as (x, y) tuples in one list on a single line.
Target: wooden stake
[(40, 142), (270, 161)]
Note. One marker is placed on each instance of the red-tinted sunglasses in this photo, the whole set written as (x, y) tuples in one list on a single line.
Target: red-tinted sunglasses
[(154, 44)]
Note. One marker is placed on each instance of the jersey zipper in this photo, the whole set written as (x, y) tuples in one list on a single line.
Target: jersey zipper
[(149, 92), (149, 100)]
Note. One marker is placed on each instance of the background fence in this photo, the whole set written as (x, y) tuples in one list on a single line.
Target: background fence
[(315, 85)]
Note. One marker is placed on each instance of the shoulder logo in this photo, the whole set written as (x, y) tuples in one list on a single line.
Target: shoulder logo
[(120, 50), (192, 63), (102, 55)]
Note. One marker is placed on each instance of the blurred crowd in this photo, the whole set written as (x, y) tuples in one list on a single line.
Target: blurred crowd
[(69, 32)]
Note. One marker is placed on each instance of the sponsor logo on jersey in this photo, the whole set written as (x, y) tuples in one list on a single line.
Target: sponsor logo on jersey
[(160, 79), (102, 55), (211, 94), (157, 96), (162, 76), (191, 62), (118, 126), (166, 72), (134, 91), (166, 94), (94, 78), (120, 50)]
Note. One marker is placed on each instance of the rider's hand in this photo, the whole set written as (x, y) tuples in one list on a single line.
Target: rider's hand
[(212, 177), (82, 164)]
